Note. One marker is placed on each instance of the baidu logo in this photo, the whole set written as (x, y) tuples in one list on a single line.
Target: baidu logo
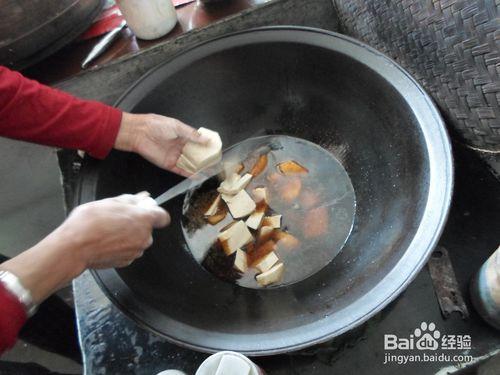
[(426, 344), (427, 336)]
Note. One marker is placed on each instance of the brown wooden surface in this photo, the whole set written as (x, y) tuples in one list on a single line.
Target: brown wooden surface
[(107, 82), (66, 63), (31, 29)]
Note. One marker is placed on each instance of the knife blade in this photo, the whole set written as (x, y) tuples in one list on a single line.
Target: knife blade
[(103, 45), (231, 156), (189, 183)]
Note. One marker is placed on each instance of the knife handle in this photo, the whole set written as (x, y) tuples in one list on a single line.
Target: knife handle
[(103, 45)]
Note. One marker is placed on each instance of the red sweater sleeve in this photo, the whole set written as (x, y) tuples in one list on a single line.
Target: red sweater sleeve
[(12, 318), (32, 112)]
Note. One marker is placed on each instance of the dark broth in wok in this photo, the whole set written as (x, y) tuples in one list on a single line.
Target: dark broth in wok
[(317, 209)]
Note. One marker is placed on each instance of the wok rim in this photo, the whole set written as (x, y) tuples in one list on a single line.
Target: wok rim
[(381, 294)]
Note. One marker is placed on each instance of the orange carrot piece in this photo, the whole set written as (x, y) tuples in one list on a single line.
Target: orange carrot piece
[(291, 189), (316, 222), (217, 218), (239, 168), (274, 178), (308, 199), (219, 215), (291, 167), (285, 239), (259, 166)]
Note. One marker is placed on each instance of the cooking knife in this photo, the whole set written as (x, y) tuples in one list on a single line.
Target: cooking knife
[(190, 183), (234, 154), (103, 44)]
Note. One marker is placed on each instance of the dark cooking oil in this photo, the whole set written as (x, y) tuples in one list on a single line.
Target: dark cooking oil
[(317, 208)]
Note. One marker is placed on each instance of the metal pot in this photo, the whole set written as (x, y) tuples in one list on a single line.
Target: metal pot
[(31, 30), (321, 86)]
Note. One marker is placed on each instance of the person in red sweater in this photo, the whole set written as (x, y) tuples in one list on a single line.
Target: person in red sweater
[(93, 235)]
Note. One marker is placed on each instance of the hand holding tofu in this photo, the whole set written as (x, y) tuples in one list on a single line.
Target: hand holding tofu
[(161, 140)]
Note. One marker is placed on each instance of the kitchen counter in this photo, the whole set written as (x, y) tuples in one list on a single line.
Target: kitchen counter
[(66, 63)]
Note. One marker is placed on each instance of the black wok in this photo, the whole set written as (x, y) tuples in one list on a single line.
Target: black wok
[(326, 88)]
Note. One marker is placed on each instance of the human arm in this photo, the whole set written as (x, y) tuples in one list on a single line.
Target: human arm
[(156, 138), (37, 113), (102, 234), (33, 112)]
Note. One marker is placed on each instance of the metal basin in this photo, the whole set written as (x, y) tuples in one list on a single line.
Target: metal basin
[(323, 87)]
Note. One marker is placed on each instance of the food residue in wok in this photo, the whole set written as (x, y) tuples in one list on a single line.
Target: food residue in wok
[(272, 219), (252, 239)]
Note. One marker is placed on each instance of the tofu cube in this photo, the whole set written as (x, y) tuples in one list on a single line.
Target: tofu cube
[(240, 261), (272, 221), (265, 231), (201, 155), (235, 237), (240, 205), (212, 210), (255, 219), (234, 184), (271, 276), (185, 164), (267, 262), (260, 194)]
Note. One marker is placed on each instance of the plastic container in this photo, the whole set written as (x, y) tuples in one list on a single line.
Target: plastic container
[(485, 290), (228, 363), (149, 19)]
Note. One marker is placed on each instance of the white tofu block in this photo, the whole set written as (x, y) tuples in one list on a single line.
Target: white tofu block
[(235, 237), (230, 167), (233, 365), (226, 197), (232, 178), (182, 163), (255, 219), (265, 230), (201, 155), (240, 261), (212, 210), (267, 262), (260, 194), (234, 184), (226, 233), (271, 276), (186, 162), (273, 221), (240, 205)]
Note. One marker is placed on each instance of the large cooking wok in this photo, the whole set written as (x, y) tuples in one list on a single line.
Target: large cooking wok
[(323, 87)]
